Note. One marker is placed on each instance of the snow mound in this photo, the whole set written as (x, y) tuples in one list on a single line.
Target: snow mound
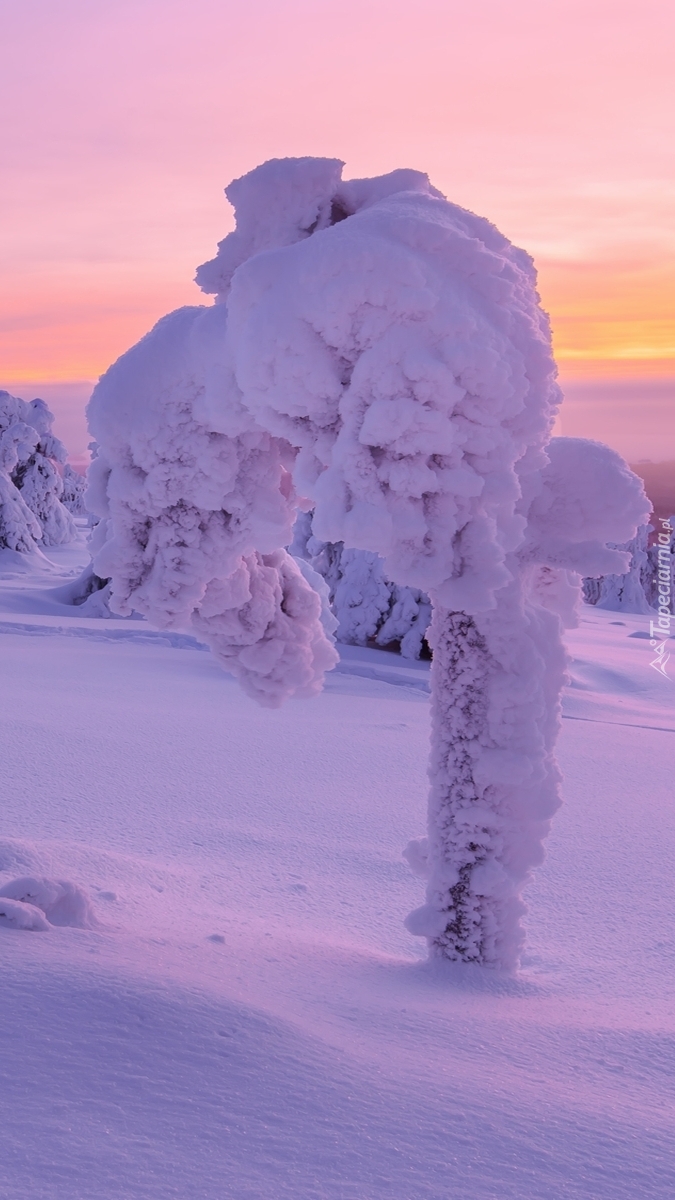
[(16, 915), (61, 902), (17, 855)]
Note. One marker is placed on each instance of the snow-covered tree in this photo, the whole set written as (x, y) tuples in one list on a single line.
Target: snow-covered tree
[(39, 481), (658, 573), (34, 472), (382, 353), (368, 607), (19, 530), (623, 593), (74, 487)]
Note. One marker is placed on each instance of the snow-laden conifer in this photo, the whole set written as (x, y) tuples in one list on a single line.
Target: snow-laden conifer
[(74, 487), (35, 472), (19, 530), (624, 593), (382, 352), (368, 608)]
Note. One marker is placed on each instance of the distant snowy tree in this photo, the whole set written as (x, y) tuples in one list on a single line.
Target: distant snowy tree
[(623, 593), (74, 487), (658, 572), (39, 481), (34, 472), (368, 607), (19, 530), (381, 353)]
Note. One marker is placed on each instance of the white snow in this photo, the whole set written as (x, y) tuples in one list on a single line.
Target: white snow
[(30, 484), (379, 354), (250, 1019), (195, 517)]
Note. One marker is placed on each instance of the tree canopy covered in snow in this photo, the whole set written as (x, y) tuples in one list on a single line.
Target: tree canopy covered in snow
[(378, 355), (31, 487)]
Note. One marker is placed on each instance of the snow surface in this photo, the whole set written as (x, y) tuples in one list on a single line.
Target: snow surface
[(250, 1018)]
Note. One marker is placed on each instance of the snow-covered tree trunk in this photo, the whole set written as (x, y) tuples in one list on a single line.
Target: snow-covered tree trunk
[(459, 835), (496, 680)]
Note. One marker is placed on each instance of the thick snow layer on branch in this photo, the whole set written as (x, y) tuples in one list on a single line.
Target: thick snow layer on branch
[(41, 489), (264, 624), (403, 352), (197, 513), (278, 203), (588, 500)]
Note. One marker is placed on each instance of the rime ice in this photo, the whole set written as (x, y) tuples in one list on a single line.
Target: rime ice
[(379, 355)]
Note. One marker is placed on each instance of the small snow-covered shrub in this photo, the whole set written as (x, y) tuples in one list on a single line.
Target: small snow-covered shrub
[(88, 592), (14, 914)]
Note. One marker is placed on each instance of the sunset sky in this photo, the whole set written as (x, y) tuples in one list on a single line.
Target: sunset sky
[(124, 119)]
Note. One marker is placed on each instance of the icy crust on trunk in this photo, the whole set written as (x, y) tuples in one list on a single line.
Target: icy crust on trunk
[(404, 353), (496, 681), (195, 516)]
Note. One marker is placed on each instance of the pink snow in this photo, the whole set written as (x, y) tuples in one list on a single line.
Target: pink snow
[(248, 1020)]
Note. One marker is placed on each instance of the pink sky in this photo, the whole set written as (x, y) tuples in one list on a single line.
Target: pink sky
[(124, 119)]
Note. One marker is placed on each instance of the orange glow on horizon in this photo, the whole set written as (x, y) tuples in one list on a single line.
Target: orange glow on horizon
[(602, 326), (123, 122)]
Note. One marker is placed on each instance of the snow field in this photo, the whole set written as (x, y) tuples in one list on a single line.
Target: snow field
[(250, 1019)]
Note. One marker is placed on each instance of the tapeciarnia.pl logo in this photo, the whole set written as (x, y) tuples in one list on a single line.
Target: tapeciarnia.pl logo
[(659, 631)]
